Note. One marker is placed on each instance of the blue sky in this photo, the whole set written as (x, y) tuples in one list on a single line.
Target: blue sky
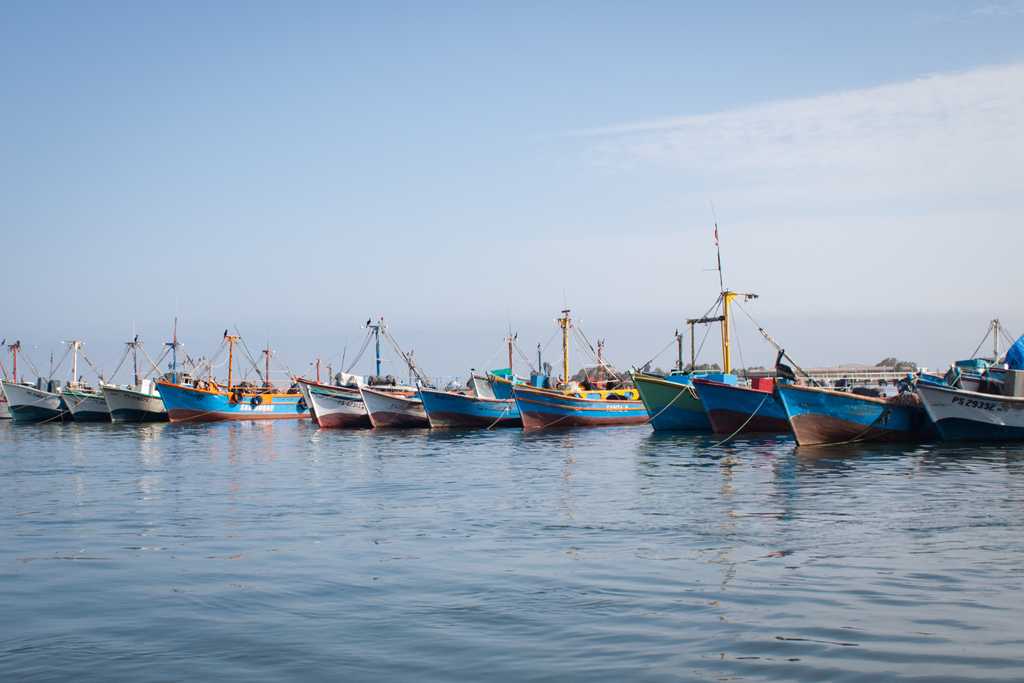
[(295, 168)]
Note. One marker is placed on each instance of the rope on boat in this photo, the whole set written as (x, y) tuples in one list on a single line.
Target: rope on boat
[(859, 437), (669, 404), (503, 411), (359, 355), (740, 429)]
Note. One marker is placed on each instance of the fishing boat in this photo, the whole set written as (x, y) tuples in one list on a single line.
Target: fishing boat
[(208, 401), (393, 409), (39, 402), (573, 404), (140, 401), (341, 404), (672, 401), (735, 408), (84, 402), (333, 406), (5, 411), (820, 416), (993, 412), (475, 407), (450, 409), (961, 415)]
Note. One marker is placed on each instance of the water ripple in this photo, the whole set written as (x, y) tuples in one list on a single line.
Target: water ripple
[(267, 552)]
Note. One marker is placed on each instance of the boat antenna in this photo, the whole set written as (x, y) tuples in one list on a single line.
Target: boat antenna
[(173, 346), (718, 250)]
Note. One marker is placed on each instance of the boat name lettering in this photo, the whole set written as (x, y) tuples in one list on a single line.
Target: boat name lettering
[(973, 403)]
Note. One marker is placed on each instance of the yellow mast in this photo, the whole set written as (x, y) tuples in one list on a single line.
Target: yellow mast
[(726, 345), (231, 338), (727, 297), (565, 322)]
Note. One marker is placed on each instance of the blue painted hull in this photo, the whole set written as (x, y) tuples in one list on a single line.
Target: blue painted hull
[(447, 409), (672, 403), (540, 408), (741, 409), (188, 404), (823, 416)]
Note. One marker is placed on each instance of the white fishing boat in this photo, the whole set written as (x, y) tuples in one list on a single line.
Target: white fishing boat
[(31, 403), (140, 401), (963, 415), (5, 411), (27, 402), (343, 403), (334, 406), (393, 409), (85, 403), (135, 403)]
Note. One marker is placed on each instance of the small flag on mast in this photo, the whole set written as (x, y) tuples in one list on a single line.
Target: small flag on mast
[(716, 234)]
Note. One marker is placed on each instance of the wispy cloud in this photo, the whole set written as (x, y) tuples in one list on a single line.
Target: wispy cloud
[(973, 11), (954, 133)]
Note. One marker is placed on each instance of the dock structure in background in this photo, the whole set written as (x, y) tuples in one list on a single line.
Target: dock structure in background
[(852, 373)]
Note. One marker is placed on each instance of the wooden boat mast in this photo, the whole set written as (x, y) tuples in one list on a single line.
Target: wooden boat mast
[(133, 345), (231, 339), (510, 339), (565, 322), (14, 348), (679, 351), (266, 366)]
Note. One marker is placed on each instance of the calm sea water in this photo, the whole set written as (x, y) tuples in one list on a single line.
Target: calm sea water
[(263, 552)]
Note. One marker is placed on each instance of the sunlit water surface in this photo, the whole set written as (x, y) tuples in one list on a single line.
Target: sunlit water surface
[(262, 552)]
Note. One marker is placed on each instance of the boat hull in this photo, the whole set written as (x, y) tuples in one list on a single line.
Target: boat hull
[(672, 406), (392, 411), (542, 409), (335, 407), (826, 417), (87, 406), (961, 415), (735, 409), (5, 411), (191, 404), (130, 405), (28, 404), (446, 409)]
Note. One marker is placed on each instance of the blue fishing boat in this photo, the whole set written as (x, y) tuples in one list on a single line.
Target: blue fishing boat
[(732, 408), (542, 408), (449, 409), (672, 401), (208, 401), (477, 405), (575, 405), (820, 416)]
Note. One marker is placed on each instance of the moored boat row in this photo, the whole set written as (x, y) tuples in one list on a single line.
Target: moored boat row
[(978, 399)]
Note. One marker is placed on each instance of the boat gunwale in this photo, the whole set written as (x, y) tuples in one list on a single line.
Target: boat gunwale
[(972, 394), (717, 385), (840, 394), (453, 394), (243, 392)]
